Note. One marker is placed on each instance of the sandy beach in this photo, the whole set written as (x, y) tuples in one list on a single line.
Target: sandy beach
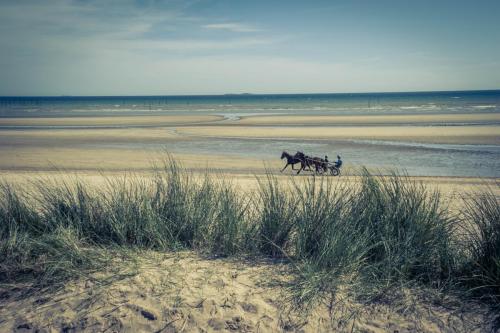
[(222, 144), (190, 292), (92, 152)]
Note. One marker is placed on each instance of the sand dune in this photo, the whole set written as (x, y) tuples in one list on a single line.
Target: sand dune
[(185, 293)]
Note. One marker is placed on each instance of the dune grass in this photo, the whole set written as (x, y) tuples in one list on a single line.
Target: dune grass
[(367, 235), (480, 219)]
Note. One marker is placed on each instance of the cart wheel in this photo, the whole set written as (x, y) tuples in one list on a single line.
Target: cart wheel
[(334, 171)]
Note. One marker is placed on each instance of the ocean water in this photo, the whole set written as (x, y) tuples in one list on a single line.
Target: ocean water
[(360, 103), (416, 158)]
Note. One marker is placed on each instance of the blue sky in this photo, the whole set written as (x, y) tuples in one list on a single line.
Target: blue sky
[(77, 47)]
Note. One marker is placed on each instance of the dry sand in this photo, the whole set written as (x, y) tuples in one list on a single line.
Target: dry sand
[(186, 293), (452, 189), (92, 159)]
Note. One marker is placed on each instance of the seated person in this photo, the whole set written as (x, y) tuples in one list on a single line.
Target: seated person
[(338, 163)]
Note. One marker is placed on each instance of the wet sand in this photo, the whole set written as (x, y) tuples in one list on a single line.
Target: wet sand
[(221, 145), (335, 120), (133, 147), (425, 134), (150, 121)]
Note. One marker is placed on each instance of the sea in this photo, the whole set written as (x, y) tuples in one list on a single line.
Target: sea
[(415, 158)]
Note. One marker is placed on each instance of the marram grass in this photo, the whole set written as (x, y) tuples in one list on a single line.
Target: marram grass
[(370, 233)]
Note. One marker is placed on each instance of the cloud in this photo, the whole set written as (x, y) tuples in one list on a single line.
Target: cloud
[(162, 47), (80, 19), (234, 27), (90, 27), (113, 47)]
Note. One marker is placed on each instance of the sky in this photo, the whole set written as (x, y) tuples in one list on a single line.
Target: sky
[(111, 47)]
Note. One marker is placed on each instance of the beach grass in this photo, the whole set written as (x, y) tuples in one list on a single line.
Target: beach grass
[(480, 219), (365, 236)]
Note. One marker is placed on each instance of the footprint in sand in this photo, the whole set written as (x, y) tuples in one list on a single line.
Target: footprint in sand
[(148, 314), (249, 307), (238, 324), (217, 324)]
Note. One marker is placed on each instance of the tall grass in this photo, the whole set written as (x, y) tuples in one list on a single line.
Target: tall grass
[(371, 232), (480, 219), (377, 232), (409, 229), (276, 216), (29, 247)]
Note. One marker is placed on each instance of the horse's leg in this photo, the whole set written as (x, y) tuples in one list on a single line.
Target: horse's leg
[(301, 168), (284, 167)]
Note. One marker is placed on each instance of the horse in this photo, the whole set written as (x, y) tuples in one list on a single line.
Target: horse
[(290, 160), (305, 161), (320, 164), (299, 157)]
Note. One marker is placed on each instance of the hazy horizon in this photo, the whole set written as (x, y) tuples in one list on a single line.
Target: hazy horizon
[(215, 47), (264, 94)]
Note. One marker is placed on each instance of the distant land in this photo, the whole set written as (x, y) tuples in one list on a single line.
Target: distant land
[(416, 92)]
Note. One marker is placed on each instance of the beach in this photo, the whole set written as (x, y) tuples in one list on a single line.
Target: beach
[(243, 149), (91, 147), (470, 141), (249, 166), (455, 153)]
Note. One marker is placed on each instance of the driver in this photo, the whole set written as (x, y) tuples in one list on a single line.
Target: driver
[(338, 163)]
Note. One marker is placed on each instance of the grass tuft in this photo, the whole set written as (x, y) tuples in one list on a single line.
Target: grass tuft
[(480, 219)]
